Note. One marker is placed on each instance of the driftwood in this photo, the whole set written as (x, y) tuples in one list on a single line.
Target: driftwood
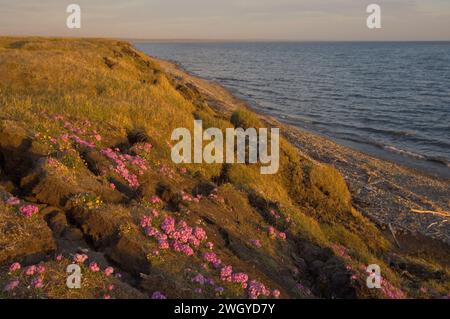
[(443, 214)]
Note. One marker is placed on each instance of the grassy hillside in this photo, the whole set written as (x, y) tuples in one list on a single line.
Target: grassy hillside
[(85, 130)]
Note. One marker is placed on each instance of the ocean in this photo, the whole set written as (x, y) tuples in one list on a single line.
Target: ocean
[(391, 100)]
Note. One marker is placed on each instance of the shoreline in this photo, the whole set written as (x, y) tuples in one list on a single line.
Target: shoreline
[(411, 201)]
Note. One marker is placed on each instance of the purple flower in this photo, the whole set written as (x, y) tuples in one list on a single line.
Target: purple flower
[(37, 283), (158, 295), (11, 285)]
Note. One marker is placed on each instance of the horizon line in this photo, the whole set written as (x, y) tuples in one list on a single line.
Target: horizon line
[(204, 40)]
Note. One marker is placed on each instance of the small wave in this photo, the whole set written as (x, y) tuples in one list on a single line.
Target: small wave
[(394, 149)]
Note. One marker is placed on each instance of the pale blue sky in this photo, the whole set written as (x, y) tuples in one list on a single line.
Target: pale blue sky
[(230, 19)]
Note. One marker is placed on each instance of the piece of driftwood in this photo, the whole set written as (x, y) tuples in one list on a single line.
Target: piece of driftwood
[(391, 228), (444, 214)]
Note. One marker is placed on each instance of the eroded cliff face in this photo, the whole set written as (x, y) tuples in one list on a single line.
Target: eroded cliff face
[(85, 170)]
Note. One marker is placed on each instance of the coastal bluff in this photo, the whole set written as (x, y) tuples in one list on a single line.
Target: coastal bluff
[(86, 177)]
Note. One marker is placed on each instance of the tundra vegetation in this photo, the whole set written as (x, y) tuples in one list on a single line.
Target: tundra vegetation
[(86, 177)]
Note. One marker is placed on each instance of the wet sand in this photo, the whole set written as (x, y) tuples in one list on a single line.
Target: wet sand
[(412, 202)]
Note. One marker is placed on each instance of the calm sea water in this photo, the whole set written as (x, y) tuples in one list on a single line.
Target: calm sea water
[(391, 100)]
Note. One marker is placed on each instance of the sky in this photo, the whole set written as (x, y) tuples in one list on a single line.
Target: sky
[(297, 20)]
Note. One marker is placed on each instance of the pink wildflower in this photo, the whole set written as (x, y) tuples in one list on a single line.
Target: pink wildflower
[(276, 293), (200, 233), (146, 221), (155, 213), (109, 271), (31, 270), (163, 244), (80, 258), (225, 273), (209, 245), (37, 283), (40, 269), (257, 289), (14, 267), (29, 210), (240, 278), (93, 266), (155, 200), (282, 236)]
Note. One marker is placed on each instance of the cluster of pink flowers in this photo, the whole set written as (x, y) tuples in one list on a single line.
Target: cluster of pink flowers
[(15, 267), (185, 197), (121, 161), (256, 289), (273, 233), (158, 295), (209, 245), (69, 126), (275, 214), (37, 282), (341, 251), (182, 237), (276, 293), (225, 273), (145, 147), (166, 171), (390, 291), (212, 258), (33, 269), (29, 210), (93, 266), (146, 221), (81, 142), (80, 258), (155, 200), (278, 217), (240, 278), (109, 271)]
